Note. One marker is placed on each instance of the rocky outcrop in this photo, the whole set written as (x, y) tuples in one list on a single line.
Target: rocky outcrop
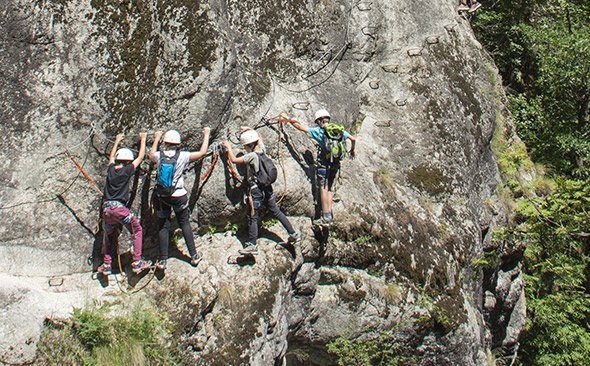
[(413, 210)]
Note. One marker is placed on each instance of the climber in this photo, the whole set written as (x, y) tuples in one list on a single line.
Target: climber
[(331, 141), (469, 5), (260, 173), (121, 168), (170, 193)]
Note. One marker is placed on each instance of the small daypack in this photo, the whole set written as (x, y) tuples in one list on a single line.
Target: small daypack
[(334, 148), (165, 183), (267, 174)]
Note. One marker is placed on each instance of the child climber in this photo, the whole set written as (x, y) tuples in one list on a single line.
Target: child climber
[(170, 193), (114, 209), (257, 193), (330, 140)]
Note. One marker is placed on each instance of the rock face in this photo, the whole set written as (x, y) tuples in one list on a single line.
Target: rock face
[(412, 211)]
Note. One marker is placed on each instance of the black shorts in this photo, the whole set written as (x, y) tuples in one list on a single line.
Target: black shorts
[(327, 174)]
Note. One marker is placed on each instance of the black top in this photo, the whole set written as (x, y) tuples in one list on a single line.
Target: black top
[(117, 187)]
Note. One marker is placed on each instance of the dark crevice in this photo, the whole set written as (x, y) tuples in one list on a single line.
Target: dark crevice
[(82, 223)]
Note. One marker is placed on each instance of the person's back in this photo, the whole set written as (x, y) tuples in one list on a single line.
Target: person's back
[(117, 183), (176, 198), (257, 194), (328, 158), (181, 160), (115, 212)]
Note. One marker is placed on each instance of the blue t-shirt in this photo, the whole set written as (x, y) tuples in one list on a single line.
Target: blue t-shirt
[(319, 135)]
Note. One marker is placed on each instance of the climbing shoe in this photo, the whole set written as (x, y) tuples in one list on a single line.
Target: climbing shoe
[(195, 259), (249, 250), (463, 7), (474, 7), (161, 264), (138, 266), (105, 269), (293, 239)]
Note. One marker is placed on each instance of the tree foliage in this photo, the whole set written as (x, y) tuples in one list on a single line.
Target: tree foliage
[(556, 274), (542, 48)]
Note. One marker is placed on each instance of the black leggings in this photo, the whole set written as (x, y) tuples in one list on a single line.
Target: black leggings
[(164, 207), (266, 197)]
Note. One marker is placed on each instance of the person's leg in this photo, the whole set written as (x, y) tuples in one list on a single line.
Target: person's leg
[(136, 231), (110, 228), (163, 210), (183, 214), (325, 199), (271, 204), (253, 208)]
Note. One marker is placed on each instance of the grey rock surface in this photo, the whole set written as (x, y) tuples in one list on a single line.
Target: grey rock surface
[(413, 210)]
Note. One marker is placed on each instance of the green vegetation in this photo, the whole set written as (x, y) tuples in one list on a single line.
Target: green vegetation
[(357, 351), (95, 336), (364, 239), (428, 179), (233, 228), (211, 230), (269, 222), (485, 261), (556, 274), (542, 48)]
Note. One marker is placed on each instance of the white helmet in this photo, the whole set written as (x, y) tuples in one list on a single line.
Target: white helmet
[(248, 137), (124, 154), (321, 114), (172, 137)]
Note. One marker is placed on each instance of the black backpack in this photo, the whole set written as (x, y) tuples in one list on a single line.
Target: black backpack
[(165, 183), (334, 148), (267, 174)]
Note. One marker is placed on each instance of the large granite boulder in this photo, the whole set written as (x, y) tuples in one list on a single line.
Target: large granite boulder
[(412, 211)]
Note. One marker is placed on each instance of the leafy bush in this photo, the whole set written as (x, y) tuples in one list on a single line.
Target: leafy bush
[(379, 351), (93, 336), (556, 275)]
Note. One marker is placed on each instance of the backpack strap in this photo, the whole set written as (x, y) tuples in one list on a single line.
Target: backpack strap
[(176, 156)]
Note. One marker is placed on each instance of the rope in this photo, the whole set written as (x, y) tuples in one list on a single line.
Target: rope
[(234, 174), (282, 161), (206, 175), (215, 154), (82, 171)]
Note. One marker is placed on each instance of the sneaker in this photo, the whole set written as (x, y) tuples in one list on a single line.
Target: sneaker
[(249, 250), (293, 239), (474, 7), (105, 269), (463, 7), (161, 264), (195, 259), (138, 266)]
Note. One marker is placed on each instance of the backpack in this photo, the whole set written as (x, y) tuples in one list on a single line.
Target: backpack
[(334, 148), (267, 174), (165, 183)]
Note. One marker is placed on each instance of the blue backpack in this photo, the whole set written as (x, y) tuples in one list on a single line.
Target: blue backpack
[(165, 183)]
